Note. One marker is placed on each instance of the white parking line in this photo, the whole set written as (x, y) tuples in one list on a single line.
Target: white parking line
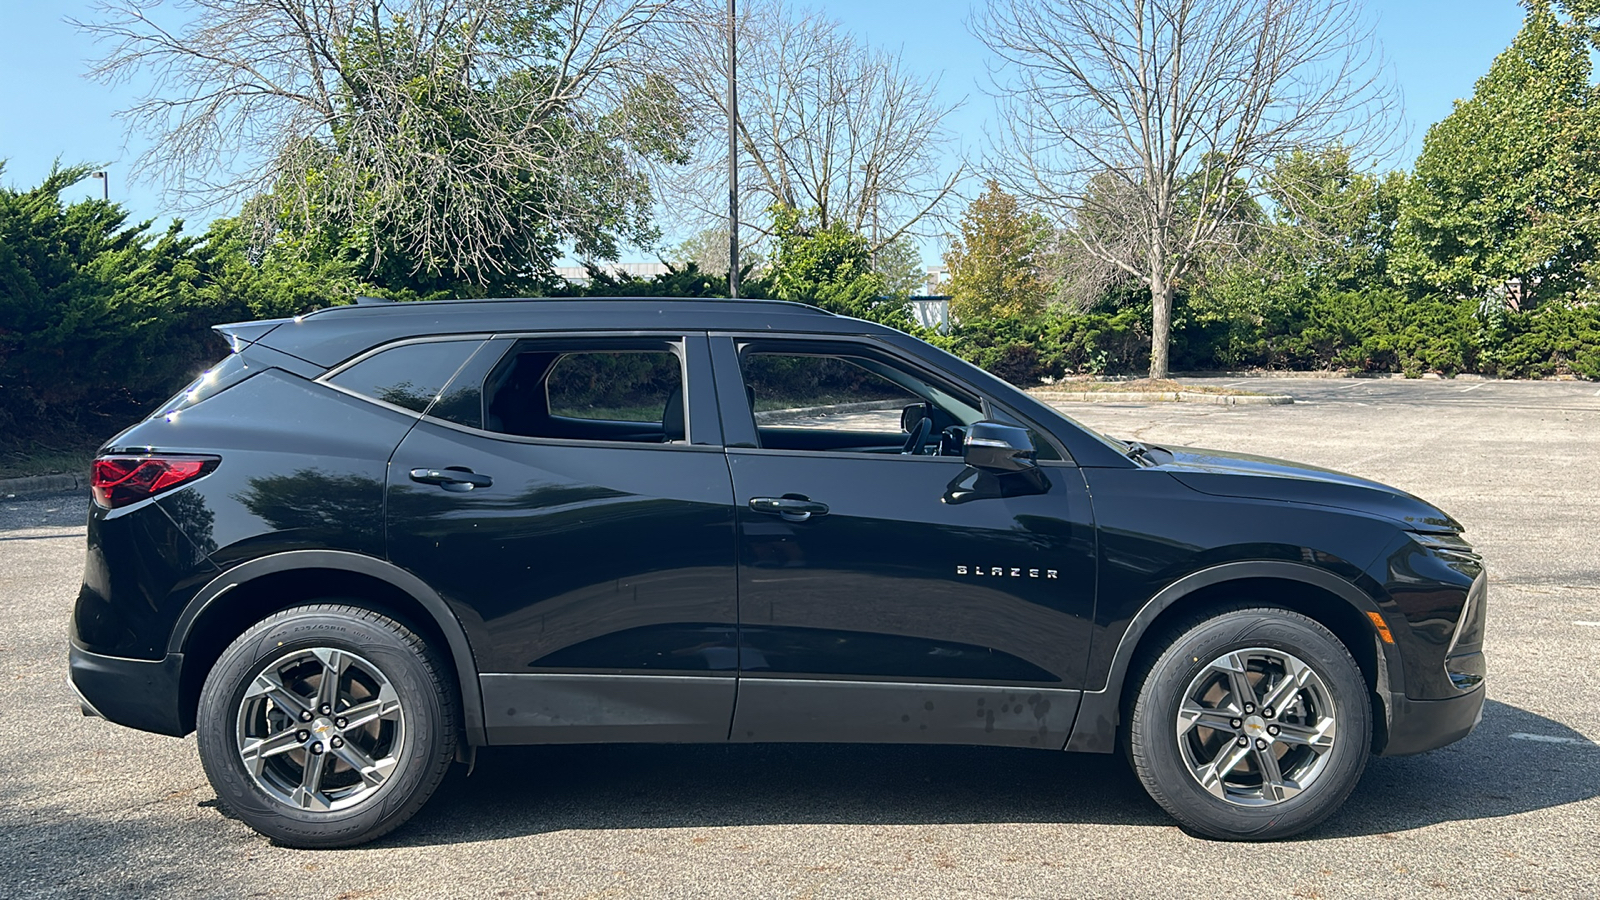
[(1473, 388), (1552, 739), (1587, 624)]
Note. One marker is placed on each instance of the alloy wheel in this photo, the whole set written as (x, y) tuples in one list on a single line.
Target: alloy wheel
[(1256, 726), (320, 729)]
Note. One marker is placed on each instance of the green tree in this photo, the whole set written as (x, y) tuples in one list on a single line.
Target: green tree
[(1333, 225), (995, 263), (445, 148), (831, 267), (1508, 186), (900, 264), (99, 319)]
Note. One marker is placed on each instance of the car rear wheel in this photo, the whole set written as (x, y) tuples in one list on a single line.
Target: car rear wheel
[(326, 725), (1252, 724)]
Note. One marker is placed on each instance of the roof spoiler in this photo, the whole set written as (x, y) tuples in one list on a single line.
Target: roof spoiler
[(242, 334)]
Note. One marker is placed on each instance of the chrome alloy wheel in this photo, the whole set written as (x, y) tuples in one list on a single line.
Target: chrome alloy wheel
[(1255, 726), (320, 729)]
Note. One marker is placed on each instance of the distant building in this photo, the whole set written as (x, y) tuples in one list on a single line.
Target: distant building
[(935, 280), (931, 312), (642, 270)]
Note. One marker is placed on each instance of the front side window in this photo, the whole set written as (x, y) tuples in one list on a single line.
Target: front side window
[(632, 394), (843, 402)]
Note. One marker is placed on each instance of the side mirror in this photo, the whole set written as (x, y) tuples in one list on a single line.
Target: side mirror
[(997, 448)]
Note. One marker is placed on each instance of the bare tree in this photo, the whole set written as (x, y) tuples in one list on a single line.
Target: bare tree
[(1144, 125), (468, 136), (825, 123)]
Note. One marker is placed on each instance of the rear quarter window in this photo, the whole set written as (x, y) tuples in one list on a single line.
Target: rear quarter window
[(407, 375), (212, 381)]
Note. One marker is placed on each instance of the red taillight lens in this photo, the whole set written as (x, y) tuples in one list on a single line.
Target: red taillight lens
[(121, 480)]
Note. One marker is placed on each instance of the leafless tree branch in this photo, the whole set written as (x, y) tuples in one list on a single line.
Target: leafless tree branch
[(464, 134), (1142, 125)]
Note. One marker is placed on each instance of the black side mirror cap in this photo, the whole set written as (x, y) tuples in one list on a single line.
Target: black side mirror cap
[(993, 447)]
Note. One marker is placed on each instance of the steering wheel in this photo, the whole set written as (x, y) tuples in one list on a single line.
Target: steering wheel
[(917, 437)]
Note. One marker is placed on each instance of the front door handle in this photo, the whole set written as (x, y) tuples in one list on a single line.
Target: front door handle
[(455, 479), (790, 507)]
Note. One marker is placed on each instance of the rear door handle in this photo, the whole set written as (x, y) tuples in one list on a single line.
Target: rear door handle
[(455, 479), (791, 508)]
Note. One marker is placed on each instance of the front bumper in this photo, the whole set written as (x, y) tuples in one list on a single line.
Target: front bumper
[(142, 694), (1416, 726)]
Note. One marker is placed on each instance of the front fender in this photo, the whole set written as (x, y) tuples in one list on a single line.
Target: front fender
[(1100, 713)]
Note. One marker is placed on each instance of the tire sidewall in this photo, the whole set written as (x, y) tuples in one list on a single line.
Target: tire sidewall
[(223, 693), (1160, 758)]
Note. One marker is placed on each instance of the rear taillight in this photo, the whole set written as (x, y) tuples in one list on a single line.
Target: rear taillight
[(120, 480)]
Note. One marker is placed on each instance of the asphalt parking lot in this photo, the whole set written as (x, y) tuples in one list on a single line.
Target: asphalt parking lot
[(88, 809)]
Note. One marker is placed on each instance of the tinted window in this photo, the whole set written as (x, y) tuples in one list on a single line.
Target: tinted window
[(224, 374), (410, 375), (578, 392), (849, 404), (613, 386), (780, 382)]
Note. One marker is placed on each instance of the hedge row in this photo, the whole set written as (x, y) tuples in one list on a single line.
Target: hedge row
[(1376, 330)]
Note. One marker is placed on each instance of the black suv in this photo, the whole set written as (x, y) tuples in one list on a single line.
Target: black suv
[(378, 537)]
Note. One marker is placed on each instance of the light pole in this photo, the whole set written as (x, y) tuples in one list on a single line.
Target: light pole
[(105, 185), (733, 155)]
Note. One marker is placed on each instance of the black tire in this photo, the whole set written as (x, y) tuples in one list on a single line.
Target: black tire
[(1255, 799), (386, 672)]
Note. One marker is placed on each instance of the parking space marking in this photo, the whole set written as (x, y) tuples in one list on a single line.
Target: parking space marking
[(1473, 388), (1587, 624), (1584, 743)]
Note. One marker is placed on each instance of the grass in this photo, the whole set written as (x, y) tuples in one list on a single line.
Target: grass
[(20, 462), (1137, 386)]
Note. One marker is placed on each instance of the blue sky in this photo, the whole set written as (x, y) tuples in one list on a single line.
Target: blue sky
[(1437, 48)]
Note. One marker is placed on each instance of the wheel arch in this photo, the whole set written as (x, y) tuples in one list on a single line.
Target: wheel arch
[(251, 591), (1341, 607)]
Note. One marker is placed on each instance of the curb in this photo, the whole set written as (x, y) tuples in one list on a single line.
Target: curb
[(1161, 397), (803, 411), (35, 485)]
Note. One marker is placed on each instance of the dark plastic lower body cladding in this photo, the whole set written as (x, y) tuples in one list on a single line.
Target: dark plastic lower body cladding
[(1416, 726), (784, 709), (138, 693), (576, 709)]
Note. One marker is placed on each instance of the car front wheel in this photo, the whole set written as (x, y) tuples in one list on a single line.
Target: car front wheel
[(1252, 724), (326, 725)]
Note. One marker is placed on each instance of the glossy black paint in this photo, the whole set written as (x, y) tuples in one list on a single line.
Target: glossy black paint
[(895, 583), (599, 590)]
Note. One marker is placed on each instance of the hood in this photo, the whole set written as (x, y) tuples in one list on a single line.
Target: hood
[(1261, 478)]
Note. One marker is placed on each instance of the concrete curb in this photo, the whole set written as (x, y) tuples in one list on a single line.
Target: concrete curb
[(1160, 397), (37, 485), (800, 412)]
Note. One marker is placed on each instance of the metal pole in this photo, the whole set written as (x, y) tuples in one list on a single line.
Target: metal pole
[(105, 186), (733, 155)]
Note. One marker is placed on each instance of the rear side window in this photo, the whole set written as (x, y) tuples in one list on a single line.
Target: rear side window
[(589, 389), (407, 375), (613, 386)]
